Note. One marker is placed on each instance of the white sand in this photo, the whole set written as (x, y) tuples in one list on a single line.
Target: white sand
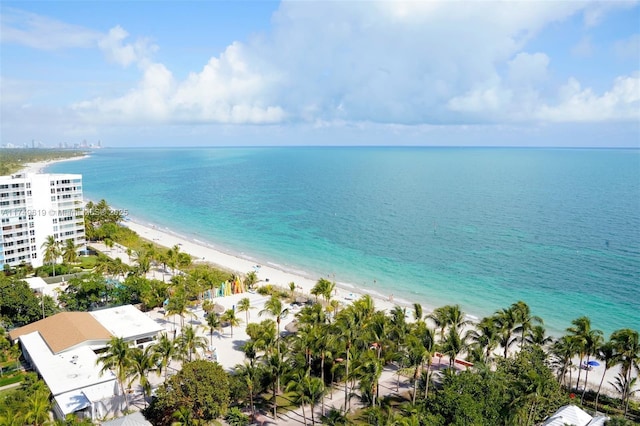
[(39, 166), (228, 349)]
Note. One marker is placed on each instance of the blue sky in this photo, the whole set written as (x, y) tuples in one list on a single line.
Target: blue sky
[(147, 73)]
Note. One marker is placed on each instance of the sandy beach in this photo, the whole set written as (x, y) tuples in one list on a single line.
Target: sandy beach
[(39, 166), (228, 349)]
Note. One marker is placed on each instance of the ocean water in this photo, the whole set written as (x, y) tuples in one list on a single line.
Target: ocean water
[(482, 227)]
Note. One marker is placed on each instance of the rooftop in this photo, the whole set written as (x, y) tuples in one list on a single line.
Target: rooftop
[(65, 330)]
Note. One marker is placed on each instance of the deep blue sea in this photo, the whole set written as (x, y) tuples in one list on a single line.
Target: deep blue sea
[(482, 227)]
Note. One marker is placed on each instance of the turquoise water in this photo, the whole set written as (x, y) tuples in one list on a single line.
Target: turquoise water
[(483, 227)]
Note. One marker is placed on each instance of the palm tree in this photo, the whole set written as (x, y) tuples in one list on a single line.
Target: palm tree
[(143, 361), (250, 374), (506, 320), (70, 255), (214, 323), (592, 345), (417, 312), (178, 305), (230, 317), (244, 305), (117, 357), (328, 290), (606, 353), (347, 329), (190, 342), (51, 251), (274, 307), (583, 336), (39, 406), (292, 289), (526, 320), (627, 348), (453, 344), (440, 317), (564, 349), (484, 336), (275, 368), (166, 350), (417, 354)]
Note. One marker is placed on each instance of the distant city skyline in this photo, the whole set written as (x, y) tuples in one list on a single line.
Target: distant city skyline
[(320, 73)]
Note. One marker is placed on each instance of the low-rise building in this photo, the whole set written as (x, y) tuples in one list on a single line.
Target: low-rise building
[(63, 350)]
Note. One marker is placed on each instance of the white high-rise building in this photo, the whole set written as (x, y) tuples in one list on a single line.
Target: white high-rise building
[(35, 206)]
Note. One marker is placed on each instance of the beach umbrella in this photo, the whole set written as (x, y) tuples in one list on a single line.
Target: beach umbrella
[(218, 308), (292, 327), (593, 363)]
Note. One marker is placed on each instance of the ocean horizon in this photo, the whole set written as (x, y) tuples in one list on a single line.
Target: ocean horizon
[(481, 227)]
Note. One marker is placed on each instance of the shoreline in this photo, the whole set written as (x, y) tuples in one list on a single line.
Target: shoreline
[(269, 273), (39, 166)]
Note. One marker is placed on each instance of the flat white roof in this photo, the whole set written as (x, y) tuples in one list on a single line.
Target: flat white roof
[(127, 322), (67, 371), (36, 283)]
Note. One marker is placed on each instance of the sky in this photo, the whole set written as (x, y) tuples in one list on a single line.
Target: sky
[(209, 73)]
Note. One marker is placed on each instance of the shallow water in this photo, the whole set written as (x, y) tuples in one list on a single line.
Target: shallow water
[(483, 227)]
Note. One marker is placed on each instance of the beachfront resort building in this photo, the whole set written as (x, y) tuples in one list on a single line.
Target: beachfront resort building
[(34, 206), (64, 348)]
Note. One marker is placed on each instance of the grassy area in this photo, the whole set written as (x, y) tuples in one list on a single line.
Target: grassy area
[(9, 380), (88, 262), (13, 160)]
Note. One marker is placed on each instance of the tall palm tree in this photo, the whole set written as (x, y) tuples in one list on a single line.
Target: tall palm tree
[(244, 305), (453, 345), (190, 342), (440, 318), (347, 332), (564, 350), (51, 251), (592, 345), (607, 354), (142, 362), (117, 357), (417, 354), (506, 320), (250, 374), (230, 317), (627, 346), (275, 369), (525, 320), (583, 335), (274, 307), (70, 255), (165, 347)]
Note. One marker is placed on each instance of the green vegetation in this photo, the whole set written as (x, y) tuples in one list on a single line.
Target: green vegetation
[(516, 374), (13, 160), (19, 305), (199, 392)]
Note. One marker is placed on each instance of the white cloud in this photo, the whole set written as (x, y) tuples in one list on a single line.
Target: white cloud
[(125, 53), (577, 104), (391, 62), (39, 32)]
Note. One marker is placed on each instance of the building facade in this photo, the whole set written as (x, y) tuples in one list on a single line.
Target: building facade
[(34, 207)]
